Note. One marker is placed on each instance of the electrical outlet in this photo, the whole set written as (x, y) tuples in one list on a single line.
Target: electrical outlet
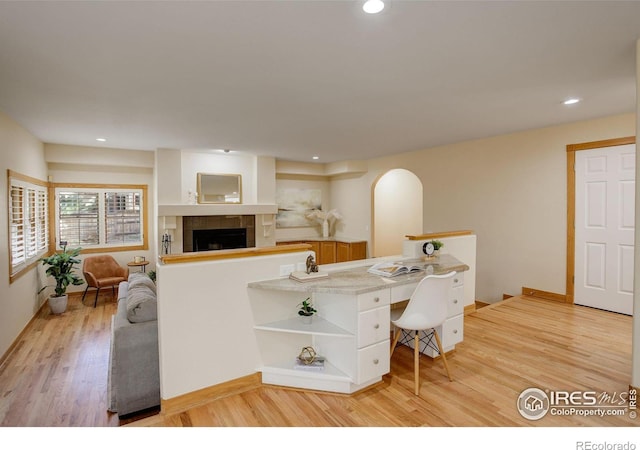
[(286, 269)]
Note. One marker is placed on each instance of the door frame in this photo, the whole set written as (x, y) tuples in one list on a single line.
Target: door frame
[(571, 202)]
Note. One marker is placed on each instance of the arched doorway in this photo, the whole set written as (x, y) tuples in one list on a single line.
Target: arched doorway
[(397, 211)]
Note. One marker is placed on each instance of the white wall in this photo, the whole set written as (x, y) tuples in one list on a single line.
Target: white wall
[(635, 366), (206, 319), (510, 190), (22, 153)]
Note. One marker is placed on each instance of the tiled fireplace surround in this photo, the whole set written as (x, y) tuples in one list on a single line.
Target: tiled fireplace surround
[(191, 223)]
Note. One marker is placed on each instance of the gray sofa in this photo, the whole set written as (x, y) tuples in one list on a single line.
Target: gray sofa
[(134, 371)]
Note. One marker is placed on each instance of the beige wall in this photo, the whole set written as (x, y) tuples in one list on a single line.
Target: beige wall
[(510, 190), (93, 165), (22, 153)]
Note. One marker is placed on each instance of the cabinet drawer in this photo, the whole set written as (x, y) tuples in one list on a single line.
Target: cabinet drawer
[(373, 326), (373, 299), (456, 301), (403, 292), (458, 279), (373, 361), (452, 331)]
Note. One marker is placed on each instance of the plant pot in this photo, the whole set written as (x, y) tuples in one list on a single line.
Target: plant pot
[(306, 319), (58, 305)]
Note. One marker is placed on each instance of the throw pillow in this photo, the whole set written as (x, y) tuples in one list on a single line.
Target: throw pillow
[(141, 279), (142, 305)]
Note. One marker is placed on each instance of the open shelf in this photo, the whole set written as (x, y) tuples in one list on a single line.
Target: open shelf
[(330, 379), (319, 327)]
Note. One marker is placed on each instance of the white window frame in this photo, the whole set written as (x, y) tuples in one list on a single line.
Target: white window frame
[(30, 244), (101, 190)]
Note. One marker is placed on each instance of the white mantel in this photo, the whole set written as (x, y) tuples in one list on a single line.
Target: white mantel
[(216, 209)]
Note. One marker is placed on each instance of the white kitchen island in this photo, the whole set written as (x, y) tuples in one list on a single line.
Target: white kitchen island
[(352, 326)]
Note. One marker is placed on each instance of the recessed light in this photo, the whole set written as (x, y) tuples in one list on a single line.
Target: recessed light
[(373, 6), (315, 157), (101, 140), (571, 101)]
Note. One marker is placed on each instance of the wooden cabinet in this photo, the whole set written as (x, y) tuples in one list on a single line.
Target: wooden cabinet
[(333, 251)]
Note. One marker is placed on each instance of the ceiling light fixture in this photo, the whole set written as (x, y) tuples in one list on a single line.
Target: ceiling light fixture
[(373, 6), (101, 140), (315, 157), (571, 101)]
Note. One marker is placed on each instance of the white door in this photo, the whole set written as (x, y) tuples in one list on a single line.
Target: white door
[(604, 228)]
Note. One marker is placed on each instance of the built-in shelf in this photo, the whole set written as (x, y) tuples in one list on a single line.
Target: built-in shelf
[(287, 368), (319, 327), (217, 209)]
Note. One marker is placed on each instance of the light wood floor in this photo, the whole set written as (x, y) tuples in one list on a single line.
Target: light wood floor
[(57, 376)]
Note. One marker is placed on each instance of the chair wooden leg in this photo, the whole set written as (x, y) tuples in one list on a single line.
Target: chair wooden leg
[(397, 332), (416, 362), (444, 357)]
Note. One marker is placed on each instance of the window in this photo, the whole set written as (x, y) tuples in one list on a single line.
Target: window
[(28, 222), (94, 216)]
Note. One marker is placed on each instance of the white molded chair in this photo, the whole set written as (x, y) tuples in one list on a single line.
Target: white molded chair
[(426, 310)]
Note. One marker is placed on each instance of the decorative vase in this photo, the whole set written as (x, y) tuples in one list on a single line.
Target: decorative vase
[(325, 229), (307, 319), (58, 305)]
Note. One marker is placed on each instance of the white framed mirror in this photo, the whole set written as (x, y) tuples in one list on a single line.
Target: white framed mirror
[(219, 188)]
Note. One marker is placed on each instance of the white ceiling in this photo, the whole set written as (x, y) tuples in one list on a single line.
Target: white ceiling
[(294, 79)]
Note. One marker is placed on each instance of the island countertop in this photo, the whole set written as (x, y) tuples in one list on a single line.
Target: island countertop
[(356, 280)]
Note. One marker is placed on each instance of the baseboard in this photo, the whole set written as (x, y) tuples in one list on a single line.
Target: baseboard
[(530, 292), (506, 296), (193, 399), (469, 309)]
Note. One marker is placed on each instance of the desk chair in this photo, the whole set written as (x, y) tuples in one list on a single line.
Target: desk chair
[(102, 271), (426, 310)]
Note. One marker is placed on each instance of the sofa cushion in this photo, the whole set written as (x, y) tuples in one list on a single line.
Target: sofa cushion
[(142, 305), (140, 278)]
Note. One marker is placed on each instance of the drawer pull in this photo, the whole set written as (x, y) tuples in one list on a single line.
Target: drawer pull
[(455, 280), (376, 299), (455, 331), (455, 302), (375, 361), (376, 326)]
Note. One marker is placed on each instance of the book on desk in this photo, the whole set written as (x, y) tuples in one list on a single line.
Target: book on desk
[(390, 269)]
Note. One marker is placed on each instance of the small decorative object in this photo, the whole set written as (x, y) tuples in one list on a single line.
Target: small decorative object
[(307, 355), (308, 359), (326, 219), (61, 267), (311, 264), (306, 310), (432, 248), (138, 259)]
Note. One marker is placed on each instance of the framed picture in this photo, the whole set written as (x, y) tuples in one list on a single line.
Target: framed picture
[(294, 204)]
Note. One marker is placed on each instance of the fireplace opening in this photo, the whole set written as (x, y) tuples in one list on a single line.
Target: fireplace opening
[(219, 239)]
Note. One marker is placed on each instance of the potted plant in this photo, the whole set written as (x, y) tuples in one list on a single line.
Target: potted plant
[(437, 245), (61, 266), (306, 310)]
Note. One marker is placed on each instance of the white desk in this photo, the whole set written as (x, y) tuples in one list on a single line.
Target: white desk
[(351, 329)]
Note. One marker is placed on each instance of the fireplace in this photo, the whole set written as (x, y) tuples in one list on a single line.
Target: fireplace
[(203, 233), (219, 239)]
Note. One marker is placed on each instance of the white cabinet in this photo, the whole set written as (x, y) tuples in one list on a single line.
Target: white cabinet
[(350, 331)]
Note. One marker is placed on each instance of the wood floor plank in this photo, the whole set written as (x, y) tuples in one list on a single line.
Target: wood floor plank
[(57, 376)]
